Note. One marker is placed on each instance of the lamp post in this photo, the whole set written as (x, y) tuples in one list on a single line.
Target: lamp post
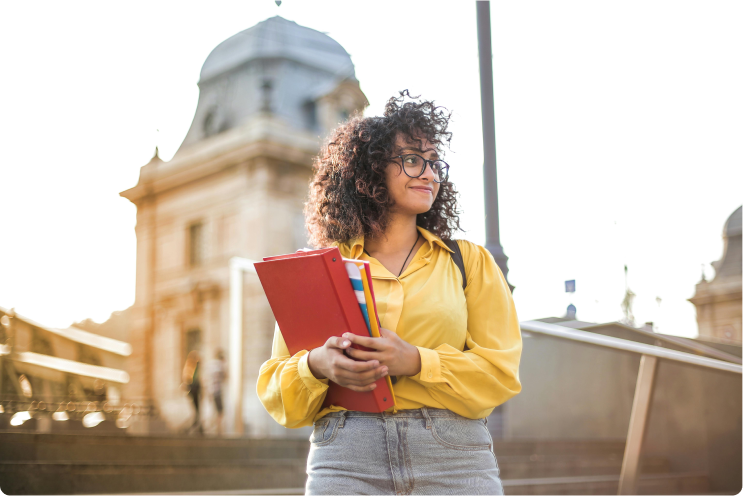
[(490, 177)]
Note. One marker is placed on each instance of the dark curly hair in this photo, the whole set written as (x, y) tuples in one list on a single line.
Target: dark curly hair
[(348, 196)]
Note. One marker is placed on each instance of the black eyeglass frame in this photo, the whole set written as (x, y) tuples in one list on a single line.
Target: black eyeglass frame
[(426, 163)]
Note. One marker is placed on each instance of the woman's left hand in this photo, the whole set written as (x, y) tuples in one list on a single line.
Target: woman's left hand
[(400, 357)]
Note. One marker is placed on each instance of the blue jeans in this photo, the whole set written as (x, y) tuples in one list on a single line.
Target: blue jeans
[(426, 451)]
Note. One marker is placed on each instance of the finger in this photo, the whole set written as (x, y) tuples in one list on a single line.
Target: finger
[(350, 365), (362, 389), (386, 333), (337, 342), (363, 378), (363, 355), (374, 343)]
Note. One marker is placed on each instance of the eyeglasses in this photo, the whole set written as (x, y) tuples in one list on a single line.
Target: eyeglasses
[(414, 166)]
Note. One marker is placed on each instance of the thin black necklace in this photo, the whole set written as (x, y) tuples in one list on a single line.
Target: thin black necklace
[(406, 258)]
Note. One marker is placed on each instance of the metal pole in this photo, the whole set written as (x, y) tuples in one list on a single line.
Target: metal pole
[(638, 423), (490, 177)]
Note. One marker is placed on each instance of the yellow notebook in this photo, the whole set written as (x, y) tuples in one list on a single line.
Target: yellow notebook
[(374, 319)]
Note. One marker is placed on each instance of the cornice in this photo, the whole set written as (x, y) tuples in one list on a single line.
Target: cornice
[(263, 136)]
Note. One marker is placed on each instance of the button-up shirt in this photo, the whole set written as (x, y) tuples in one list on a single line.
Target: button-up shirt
[(469, 341)]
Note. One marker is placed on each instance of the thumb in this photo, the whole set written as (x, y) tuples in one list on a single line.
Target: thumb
[(386, 333), (338, 342)]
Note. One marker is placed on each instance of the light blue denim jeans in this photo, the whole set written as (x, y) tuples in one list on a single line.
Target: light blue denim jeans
[(426, 451)]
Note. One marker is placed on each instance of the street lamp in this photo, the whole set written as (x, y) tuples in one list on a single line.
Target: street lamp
[(490, 177)]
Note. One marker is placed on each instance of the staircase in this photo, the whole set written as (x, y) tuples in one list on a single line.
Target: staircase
[(32, 463), (584, 467)]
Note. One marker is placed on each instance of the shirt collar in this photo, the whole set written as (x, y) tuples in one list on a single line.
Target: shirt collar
[(355, 247)]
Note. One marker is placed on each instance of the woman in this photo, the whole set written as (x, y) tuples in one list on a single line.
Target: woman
[(381, 193), (192, 384)]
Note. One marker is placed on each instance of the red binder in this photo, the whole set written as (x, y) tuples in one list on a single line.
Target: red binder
[(312, 299)]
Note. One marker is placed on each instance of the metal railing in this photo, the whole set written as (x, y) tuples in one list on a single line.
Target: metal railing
[(644, 389)]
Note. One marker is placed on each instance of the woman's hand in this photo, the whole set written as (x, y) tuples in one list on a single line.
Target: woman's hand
[(400, 357), (329, 361)]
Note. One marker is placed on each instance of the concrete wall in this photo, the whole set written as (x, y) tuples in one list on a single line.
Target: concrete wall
[(577, 391)]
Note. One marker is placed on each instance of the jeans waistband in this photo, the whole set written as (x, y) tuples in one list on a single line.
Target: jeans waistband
[(420, 413)]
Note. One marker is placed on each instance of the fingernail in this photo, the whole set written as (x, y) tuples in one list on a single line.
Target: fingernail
[(346, 343), (374, 386)]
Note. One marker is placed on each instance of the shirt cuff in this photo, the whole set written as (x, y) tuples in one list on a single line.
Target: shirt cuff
[(430, 373), (316, 386)]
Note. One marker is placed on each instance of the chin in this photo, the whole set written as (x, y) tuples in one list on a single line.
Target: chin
[(419, 208)]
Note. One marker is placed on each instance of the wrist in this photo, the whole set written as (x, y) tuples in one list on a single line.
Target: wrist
[(312, 365), (414, 361)]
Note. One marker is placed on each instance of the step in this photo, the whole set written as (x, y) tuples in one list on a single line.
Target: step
[(535, 466), (683, 483), (558, 447), (87, 448), (80, 478)]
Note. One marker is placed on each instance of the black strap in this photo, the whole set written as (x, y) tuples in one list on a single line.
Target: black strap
[(457, 258)]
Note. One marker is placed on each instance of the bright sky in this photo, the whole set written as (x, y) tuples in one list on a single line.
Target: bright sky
[(618, 128)]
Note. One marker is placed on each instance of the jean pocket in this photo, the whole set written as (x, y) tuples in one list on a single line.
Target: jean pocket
[(461, 433), (324, 431)]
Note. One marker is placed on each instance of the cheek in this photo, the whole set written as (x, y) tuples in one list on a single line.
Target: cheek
[(436, 189), (395, 183)]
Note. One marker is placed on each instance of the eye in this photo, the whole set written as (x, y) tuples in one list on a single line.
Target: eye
[(410, 159)]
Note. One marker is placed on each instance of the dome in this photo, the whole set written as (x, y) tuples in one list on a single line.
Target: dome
[(278, 38), (734, 224), (276, 68)]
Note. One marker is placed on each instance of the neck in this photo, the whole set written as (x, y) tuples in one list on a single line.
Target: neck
[(400, 234)]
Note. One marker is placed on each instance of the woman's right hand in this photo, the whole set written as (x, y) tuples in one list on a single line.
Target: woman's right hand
[(329, 362)]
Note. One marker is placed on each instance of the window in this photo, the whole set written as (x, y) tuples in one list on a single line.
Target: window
[(195, 244), (192, 342)]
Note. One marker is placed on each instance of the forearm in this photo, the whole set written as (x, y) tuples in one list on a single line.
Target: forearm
[(469, 383), (289, 391)]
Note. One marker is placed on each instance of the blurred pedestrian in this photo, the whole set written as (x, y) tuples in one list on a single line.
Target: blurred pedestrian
[(192, 383), (215, 374)]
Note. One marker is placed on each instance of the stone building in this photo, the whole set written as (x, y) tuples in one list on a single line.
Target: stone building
[(718, 302), (236, 187)]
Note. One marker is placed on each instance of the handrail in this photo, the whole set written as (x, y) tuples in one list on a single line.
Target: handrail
[(627, 345)]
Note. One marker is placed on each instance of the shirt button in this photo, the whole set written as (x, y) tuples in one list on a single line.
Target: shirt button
[(430, 375)]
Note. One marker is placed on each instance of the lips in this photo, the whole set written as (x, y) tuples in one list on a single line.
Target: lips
[(423, 189)]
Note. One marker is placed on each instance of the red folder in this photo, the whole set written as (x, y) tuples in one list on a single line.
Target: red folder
[(312, 299)]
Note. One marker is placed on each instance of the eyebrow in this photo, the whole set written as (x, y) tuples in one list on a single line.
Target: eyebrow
[(435, 153)]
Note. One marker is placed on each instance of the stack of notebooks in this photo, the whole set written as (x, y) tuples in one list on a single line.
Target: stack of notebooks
[(318, 294)]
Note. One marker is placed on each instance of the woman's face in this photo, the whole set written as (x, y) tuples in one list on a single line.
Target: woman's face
[(410, 195)]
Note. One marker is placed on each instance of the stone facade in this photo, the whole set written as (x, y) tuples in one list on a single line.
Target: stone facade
[(236, 187), (718, 302)]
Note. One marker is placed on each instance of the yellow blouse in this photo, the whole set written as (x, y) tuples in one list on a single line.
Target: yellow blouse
[(469, 342)]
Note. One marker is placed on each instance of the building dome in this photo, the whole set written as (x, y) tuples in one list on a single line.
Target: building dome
[(734, 224), (296, 74), (278, 38)]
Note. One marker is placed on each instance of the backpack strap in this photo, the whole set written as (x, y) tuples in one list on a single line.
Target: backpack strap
[(457, 258)]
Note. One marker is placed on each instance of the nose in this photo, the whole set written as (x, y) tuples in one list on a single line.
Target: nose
[(427, 172)]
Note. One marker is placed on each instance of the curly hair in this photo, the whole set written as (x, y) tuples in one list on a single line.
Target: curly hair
[(348, 195)]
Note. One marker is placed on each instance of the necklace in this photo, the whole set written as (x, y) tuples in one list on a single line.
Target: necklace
[(406, 258)]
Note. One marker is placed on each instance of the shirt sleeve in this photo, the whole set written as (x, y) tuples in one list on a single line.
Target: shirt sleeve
[(287, 388), (486, 374)]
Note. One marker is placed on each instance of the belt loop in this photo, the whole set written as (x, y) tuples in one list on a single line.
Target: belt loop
[(342, 420), (427, 417)]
